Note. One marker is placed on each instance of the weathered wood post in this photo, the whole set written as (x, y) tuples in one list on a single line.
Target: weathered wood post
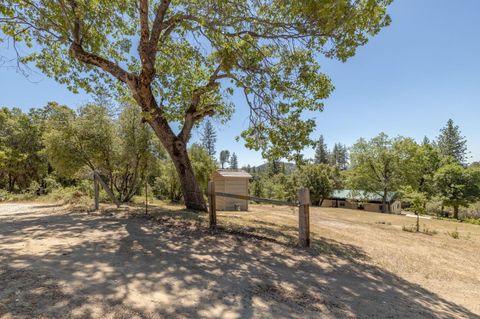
[(304, 217), (146, 197), (212, 210), (107, 189), (96, 191)]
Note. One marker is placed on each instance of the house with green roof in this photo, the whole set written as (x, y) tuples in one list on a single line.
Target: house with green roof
[(363, 200)]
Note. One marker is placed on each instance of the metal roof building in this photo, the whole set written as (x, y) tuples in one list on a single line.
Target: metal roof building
[(363, 200)]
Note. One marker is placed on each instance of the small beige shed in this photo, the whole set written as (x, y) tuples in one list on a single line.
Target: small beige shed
[(233, 182)]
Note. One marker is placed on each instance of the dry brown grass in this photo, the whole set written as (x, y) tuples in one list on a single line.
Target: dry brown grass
[(438, 262)]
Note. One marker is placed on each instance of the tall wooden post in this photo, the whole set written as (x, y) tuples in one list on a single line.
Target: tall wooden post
[(146, 197), (304, 217), (96, 191), (212, 210)]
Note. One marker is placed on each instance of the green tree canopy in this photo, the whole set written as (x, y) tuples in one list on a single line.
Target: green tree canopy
[(75, 141), (208, 138), (203, 165), (21, 157), (134, 153), (224, 157), (339, 156), (417, 202), (457, 186), (380, 165), (180, 60), (167, 184), (321, 152), (418, 164), (451, 143), (234, 161), (320, 179), (92, 139)]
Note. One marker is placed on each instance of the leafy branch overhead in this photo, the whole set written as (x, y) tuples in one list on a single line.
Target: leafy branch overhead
[(181, 60)]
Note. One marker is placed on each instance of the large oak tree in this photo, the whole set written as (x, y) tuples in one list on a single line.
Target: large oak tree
[(383, 164), (457, 186), (181, 59)]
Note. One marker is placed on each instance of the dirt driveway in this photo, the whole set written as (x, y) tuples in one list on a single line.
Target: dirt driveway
[(60, 264)]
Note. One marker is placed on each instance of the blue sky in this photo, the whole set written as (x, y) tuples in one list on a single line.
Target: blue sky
[(409, 80)]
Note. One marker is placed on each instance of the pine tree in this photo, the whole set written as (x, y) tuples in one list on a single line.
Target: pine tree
[(339, 156), (224, 158), (426, 141), (321, 152), (273, 167), (451, 142), (208, 138), (234, 161), (257, 188)]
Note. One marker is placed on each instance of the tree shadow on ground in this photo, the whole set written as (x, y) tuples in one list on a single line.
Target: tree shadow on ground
[(166, 267)]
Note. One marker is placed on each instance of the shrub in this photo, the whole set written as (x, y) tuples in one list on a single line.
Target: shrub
[(68, 195), (427, 231), (471, 212), (4, 195), (474, 221), (51, 184), (33, 189), (454, 234), (410, 229)]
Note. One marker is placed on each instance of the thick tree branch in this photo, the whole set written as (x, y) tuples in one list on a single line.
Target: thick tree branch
[(158, 24), (144, 28), (77, 52), (148, 40), (76, 24), (193, 115)]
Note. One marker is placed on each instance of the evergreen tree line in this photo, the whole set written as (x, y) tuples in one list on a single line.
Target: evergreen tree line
[(337, 157)]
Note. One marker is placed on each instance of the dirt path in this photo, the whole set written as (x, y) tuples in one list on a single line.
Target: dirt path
[(60, 264)]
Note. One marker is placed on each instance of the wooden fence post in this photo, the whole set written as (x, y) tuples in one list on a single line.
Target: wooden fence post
[(212, 210), (304, 217), (107, 189), (96, 191)]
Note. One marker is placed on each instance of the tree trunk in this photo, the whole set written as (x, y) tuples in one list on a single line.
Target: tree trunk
[(175, 146), (384, 201), (177, 150), (11, 183), (455, 211), (141, 89), (192, 195)]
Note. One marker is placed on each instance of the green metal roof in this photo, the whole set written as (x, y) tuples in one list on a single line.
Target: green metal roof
[(363, 196)]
